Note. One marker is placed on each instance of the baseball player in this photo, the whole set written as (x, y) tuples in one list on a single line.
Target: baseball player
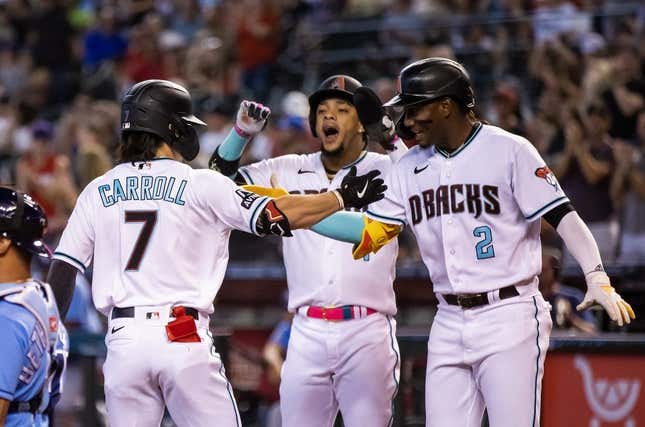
[(343, 352), (33, 337), (157, 232), (473, 195)]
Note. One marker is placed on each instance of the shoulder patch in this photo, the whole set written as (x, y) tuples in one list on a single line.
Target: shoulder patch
[(545, 173), (247, 198)]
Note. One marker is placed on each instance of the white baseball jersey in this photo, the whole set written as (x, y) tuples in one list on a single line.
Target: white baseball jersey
[(158, 233), (321, 271), (475, 212)]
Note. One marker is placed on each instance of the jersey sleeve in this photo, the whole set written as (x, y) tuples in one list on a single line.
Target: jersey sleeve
[(390, 209), (76, 246), (222, 198), (15, 344), (258, 173), (535, 187)]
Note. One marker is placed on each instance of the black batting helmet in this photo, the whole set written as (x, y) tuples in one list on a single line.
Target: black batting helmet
[(338, 86), (23, 221), (432, 78), (164, 109)]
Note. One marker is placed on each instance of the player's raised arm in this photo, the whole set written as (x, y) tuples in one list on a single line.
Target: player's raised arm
[(251, 119), (379, 127), (295, 211)]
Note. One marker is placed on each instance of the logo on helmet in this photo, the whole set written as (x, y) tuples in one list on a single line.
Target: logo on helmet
[(339, 84), (546, 174)]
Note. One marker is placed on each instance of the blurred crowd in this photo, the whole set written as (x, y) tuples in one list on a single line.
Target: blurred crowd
[(567, 74)]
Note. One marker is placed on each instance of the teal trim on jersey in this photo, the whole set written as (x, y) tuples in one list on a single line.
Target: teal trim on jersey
[(478, 126), (246, 176), (347, 312), (361, 157), (386, 218), (537, 364), (546, 207), (396, 364), (70, 260), (232, 146), (254, 219), (343, 225)]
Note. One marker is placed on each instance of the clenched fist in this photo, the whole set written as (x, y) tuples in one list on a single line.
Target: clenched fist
[(252, 118)]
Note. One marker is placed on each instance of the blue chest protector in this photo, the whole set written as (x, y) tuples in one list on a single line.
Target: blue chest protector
[(38, 299)]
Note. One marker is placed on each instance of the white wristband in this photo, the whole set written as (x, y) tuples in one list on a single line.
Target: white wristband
[(340, 199)]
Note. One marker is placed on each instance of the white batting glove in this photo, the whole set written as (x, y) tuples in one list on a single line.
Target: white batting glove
[(600, 291), (252, 118)]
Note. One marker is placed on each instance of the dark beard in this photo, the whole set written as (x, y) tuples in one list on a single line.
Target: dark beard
[(333, 153)]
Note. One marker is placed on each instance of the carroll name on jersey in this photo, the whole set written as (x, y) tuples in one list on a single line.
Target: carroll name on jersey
[(144, 187)]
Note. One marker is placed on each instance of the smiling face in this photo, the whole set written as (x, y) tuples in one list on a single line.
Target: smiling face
[(337, 126), (428, 121)]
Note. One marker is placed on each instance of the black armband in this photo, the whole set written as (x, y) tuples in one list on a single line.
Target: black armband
[(225, 167), (555, 215), (273, 221), (62, 279)]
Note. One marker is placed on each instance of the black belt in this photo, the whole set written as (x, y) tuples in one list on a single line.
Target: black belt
[(28, 406), (124, 312), (477, 300)]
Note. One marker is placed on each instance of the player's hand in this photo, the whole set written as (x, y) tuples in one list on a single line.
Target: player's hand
[(359, 191), (601, 292), (377, 123), (252, 118)]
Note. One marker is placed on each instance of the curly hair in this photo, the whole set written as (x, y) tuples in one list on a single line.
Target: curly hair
[(138, 147)]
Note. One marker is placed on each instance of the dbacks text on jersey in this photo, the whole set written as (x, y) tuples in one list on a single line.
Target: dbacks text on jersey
[(455, 198)]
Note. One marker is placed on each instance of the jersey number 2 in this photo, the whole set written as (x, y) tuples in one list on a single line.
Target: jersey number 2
[(484, 248), (149, 219)]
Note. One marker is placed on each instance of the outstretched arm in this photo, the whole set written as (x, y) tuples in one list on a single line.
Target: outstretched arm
[(251, 119)]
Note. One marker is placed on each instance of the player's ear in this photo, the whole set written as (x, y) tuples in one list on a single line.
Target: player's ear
[(5, 244), (445, 107)]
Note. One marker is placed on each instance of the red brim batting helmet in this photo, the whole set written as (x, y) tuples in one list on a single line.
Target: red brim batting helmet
[(339, 86), (433, 78)]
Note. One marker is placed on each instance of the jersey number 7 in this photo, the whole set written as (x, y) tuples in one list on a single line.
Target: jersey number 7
[(149, 219)]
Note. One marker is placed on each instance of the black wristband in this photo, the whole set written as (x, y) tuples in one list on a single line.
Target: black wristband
[(225, 167)]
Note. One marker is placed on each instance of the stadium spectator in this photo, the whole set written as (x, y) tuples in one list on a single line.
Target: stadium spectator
[(628, 192), (104, 42)]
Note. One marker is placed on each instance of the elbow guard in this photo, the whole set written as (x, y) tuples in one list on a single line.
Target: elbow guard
[(273, 221), (375, 235), (225, 167)]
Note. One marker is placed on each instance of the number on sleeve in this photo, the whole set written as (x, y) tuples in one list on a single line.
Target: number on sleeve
[(149, 219), (484, 248)]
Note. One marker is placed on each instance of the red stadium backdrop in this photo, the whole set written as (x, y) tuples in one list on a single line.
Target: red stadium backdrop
[(593, 390)]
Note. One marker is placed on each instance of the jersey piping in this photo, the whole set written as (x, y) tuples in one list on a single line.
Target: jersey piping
[(478, 126)]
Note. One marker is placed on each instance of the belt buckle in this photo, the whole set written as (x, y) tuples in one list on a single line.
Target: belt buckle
[(467, 300)]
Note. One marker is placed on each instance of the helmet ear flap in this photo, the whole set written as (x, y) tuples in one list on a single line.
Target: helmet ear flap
[(186, 140)]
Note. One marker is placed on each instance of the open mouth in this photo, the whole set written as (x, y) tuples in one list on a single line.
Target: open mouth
[(330, 130)]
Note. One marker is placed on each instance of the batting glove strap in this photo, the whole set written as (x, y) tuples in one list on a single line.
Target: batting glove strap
[(252, 118), (600, 291)]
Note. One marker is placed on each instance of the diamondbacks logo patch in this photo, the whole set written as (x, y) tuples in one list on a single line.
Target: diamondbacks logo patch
[(247, 198), (546, 174)]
